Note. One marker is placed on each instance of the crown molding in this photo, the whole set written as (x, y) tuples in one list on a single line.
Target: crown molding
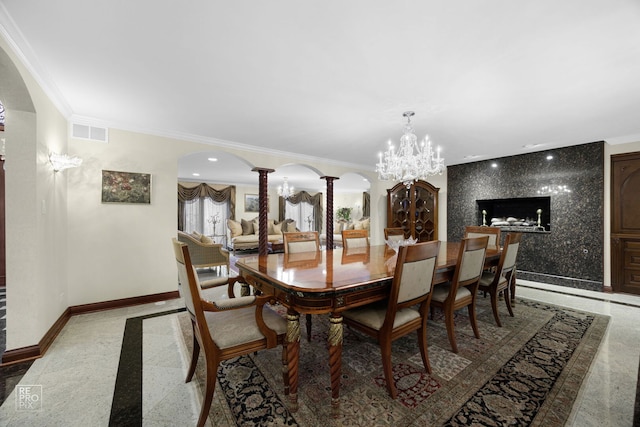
[(22, 49)]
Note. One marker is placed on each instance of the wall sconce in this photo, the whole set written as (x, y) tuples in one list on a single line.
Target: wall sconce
[(61, 162)]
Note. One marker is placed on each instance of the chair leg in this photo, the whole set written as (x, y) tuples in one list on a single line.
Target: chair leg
[(507, 298), (212, 370), (308, 322), (422, 341), (472, 316), (194, 355), (385, 349), (494, 305), (451, 332)]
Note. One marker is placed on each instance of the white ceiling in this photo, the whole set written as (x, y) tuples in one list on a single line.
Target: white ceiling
[(329, 79)]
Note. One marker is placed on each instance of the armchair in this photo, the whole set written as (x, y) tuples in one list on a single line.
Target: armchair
[(226, 328)]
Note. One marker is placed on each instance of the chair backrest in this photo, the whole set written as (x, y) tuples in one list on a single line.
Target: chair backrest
[(353, 254), (301, 241), (509, 254), (306, 259), (471, 231), (204, 254), (355, 238), (394, 233), (413, 276), (470, 262), (188, 281)]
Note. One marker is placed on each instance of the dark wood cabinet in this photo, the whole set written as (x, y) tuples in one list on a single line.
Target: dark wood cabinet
[(414, 209)]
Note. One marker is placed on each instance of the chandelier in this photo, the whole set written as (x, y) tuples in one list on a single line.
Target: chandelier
[(284, 190), (412, 161)]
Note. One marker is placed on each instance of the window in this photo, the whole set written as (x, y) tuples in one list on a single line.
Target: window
[(205, 216), (303, 214), (204, 209)]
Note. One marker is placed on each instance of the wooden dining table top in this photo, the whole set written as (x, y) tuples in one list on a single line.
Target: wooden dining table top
[(339, 270)]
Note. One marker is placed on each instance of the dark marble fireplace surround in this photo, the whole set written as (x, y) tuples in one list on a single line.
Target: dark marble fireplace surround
[(570, 253)]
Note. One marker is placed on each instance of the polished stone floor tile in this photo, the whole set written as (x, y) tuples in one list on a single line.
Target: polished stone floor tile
[(79, 373)]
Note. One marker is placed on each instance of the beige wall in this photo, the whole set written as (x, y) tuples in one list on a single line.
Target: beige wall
[(36, 222), (66, 248), (117, 250)]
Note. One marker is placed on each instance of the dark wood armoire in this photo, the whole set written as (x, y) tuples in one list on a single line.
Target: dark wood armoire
[(415, 209)]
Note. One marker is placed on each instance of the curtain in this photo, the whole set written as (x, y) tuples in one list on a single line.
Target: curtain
[(303, 196), (199, 204), (366, 204)]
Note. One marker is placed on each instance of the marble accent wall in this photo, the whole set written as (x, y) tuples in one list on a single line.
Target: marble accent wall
[(571, 254)]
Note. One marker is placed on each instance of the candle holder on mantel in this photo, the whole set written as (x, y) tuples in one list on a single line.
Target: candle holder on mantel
[(539, 227), (484, 218)]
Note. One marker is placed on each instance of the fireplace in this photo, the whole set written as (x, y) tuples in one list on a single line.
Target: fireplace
[(517, 214)]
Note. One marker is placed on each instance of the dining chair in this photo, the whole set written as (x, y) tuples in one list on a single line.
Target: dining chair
[(471, 231), (226, 328), (397, 316), (461, 291), (355, 238), (302, 241), (394, 233), (501, 279)]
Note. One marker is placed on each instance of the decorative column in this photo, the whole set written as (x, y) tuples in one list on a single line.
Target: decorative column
[(329, 226), (263, 199)]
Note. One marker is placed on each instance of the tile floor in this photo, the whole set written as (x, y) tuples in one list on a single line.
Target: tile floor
[(79, 373)]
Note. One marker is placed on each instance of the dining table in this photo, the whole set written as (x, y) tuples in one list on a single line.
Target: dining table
[(330, 282)]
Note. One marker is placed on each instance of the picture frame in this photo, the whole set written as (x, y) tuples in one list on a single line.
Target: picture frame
[(251, 203), (126, 187)]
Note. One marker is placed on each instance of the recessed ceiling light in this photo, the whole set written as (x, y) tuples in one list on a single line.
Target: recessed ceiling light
[(195, 174), (212, 159), (549, 157), (494, 165)]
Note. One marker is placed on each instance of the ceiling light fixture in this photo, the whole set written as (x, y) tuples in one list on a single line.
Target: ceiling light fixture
[(284, 190), (412, 161), (61, 162)]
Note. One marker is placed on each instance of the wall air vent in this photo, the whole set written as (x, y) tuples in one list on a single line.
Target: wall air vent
[(92, 133)]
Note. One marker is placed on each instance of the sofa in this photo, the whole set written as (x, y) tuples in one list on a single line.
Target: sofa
[(243, 234), (338, 226)]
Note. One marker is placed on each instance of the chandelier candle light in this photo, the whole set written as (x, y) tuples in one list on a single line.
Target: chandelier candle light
[(412, 161), (284, 190)]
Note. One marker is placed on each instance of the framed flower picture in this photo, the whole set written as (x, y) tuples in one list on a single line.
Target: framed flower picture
[(126, 187)]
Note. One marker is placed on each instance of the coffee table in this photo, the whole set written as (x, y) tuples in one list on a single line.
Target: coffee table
[(275, 247)]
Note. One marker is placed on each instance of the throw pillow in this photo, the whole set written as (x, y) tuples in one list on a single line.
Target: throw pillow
[(206, 239), (256, 226), (277, 228), (291, 226), (247, 226), (271, 230), (235, 227)]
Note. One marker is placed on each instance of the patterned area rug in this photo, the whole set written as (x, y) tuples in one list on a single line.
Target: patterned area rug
[(526, 373)]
